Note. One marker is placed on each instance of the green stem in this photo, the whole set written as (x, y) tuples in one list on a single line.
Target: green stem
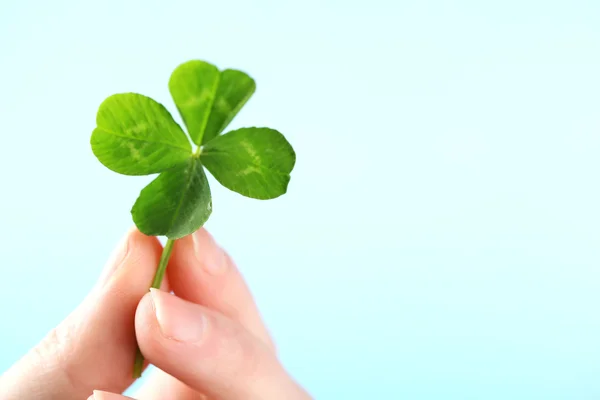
[(198, 151), (158, 277), (162, 264)]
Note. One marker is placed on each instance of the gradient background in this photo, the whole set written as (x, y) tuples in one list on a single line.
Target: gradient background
[(440, 236)]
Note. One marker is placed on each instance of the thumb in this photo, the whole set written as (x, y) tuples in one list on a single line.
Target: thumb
[(94, 347)]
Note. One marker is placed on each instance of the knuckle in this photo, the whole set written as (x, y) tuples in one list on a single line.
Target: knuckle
[(50, 348), (247, 357), (52, 354), (237, 361)]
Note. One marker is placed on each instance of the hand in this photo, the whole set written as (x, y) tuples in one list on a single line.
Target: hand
[(208, 340)]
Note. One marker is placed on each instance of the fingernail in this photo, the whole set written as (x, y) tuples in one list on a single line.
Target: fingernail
[(99, 395), (208, 253), (178, 319), (116, 258)]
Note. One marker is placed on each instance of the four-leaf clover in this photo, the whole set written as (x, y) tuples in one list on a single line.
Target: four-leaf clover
[(136, 135)]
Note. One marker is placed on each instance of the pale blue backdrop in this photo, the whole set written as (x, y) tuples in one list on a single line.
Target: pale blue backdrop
[(440, 236)]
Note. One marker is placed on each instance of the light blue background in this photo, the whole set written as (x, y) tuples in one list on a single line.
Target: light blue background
[(440, 237)]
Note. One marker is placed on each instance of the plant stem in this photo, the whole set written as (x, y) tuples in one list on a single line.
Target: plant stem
[(162, 264), (198, 151), (158, 277)]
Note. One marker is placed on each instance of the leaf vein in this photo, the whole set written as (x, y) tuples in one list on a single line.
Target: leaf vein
[(111, 132), (252, 162), (187, 187)]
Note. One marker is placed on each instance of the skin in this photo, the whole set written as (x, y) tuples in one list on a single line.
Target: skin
[(207, 340)]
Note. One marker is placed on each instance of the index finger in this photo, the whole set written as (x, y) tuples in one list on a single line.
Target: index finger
[(200, 271)]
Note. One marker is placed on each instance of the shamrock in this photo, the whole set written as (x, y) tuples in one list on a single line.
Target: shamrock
[(135, 135)]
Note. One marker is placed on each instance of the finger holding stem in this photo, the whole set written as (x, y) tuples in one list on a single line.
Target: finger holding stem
[(156, 282)]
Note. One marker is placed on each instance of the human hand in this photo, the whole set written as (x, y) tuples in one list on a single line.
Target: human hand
[(208, 340)]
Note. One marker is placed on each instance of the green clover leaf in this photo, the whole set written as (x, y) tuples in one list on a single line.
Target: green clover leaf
[(174, 204), (208, 99), (136, 135), (255, 162), (193, 86)]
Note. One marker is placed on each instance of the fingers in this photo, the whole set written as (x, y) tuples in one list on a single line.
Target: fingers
[(94, 347), (209, 352), (201, 272)]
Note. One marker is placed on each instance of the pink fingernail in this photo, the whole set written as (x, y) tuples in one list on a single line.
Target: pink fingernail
[(208, 253), (178, 319), (99, 395)]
